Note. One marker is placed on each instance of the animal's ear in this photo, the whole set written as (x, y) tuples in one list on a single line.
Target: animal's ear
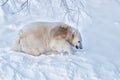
[(70, 39), (73, 36), (60, 32)]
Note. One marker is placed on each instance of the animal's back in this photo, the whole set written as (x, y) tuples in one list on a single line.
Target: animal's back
[(34, 38)]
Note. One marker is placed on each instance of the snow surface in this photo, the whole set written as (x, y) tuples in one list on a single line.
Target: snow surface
[(99, 23)]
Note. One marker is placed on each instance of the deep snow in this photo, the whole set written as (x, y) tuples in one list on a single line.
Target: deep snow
[(99, 23)]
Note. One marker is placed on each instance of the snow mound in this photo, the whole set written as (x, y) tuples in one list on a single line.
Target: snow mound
[(19, 66)]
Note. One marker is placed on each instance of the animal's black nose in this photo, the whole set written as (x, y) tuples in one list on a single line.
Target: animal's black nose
[(77, 47), (81, 47)]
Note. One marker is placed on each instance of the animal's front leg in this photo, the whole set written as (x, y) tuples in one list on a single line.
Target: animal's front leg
[(68, 49)]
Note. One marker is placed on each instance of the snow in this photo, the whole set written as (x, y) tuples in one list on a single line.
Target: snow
[(99, 23)]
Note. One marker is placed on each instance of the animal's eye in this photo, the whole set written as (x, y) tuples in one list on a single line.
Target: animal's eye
[(78, 41)]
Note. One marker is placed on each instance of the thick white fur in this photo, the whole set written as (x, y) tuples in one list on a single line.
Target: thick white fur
[(41, 37)]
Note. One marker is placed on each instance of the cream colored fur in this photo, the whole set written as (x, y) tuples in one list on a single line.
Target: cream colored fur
[(41, 37)]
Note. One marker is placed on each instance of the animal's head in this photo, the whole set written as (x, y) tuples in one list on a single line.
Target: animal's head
[(75, 38), (70, 34)]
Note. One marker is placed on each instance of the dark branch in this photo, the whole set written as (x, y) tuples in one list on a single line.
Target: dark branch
[(4, 2)]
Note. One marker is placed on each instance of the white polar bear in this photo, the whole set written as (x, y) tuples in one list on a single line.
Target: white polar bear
[(40, 37)]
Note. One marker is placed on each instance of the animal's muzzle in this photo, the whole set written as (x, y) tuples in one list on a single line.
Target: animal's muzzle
[(79, 46)]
